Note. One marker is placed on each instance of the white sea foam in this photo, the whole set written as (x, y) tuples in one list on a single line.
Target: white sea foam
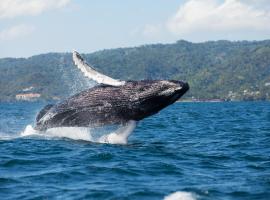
[(29, 131), (180, 195), (10, 136), (4, 136), (118, 136)]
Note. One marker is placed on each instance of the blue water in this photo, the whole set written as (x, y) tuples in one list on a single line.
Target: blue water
[(209, 150)]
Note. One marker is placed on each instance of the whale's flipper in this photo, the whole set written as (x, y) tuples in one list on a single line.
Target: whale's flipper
[(91, 73), (121, 135)]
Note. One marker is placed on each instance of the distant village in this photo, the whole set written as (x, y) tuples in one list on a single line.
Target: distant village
[(29, 94)]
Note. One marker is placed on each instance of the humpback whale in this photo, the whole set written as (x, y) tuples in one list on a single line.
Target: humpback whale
[(110, 102)]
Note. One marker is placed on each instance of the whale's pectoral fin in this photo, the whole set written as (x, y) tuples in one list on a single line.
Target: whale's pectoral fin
[(127, 128), (91, 73), (121, 135)]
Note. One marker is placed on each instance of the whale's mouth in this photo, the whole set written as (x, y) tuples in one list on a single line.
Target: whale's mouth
[(179, 92), (184, 88)]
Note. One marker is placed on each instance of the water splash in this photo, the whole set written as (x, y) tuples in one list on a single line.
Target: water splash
[(29, 130), (72, 77), (4, 136), (180, 195), (99, 135)]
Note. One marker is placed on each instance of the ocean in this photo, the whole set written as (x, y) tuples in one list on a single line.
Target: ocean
[(187, 151)]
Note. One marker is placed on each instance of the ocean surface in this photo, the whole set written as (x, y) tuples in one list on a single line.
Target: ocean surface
[(187, 151)]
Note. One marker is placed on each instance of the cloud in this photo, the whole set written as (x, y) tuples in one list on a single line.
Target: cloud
[(15, 32), (257, 3), (15, 8), (213, 16)]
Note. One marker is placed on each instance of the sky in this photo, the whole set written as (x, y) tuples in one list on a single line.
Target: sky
[(31, 27)]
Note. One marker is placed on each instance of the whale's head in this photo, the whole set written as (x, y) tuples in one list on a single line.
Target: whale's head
[(150, 96)]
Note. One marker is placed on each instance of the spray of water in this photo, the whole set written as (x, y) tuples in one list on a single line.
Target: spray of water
[(112, 135), (181, 195), (72, 78)]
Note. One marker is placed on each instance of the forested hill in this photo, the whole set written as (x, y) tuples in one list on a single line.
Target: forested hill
[(222, 69)]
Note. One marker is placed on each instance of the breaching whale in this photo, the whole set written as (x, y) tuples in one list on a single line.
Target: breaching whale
[(111, 102)]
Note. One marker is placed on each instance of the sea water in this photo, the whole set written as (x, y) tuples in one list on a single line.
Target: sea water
[(187, 151)]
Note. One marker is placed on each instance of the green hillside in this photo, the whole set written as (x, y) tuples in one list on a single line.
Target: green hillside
[(222, 69)]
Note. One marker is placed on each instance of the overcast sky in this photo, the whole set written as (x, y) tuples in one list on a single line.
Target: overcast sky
[(30, 27)]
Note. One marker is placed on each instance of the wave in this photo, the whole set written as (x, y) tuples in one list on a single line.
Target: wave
[(111, 134), (180, 195)]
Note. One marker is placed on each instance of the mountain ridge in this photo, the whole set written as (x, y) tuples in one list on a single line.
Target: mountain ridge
[(229, 70)]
